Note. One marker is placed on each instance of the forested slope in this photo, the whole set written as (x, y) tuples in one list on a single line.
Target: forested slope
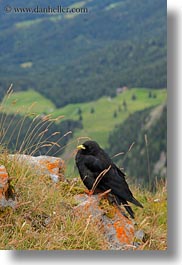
[(143, 139), (76, 58)]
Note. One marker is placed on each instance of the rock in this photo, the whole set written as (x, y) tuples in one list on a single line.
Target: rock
[(140, 235), (53, 167), (117, 229), (3, 181), (5, 201)]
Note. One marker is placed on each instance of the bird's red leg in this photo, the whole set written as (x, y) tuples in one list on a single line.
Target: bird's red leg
[(89, 192)]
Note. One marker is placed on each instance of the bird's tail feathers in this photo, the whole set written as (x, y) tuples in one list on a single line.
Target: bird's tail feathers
[(137, 203), (118, 201), (129, 210)]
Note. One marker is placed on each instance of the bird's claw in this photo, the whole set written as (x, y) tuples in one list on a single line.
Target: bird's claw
[(89, 192)]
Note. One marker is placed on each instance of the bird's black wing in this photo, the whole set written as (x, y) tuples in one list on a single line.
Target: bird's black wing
[(93, 168), (89, 168), (96, 164), (115, 180)]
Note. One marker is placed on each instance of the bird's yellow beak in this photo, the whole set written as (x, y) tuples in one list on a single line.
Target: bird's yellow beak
[(80, 147)]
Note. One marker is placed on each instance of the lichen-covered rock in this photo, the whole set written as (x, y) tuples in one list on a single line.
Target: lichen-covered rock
[(117, 229), (53, 167), (3, 181), (5, 201)]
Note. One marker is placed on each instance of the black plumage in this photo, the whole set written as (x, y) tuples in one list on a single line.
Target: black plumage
[(95, 166)]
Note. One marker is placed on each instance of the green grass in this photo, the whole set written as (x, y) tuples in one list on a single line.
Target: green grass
[(114, 5), (28, 23), (152, 219), (96, 125), (44, 218), (40, 200), (99, 124), (27, 101)]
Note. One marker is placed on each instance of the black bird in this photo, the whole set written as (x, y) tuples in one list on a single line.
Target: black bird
[(99, 173)]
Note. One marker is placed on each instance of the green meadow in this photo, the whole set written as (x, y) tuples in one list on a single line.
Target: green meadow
[(98, 117), (110, 111), (27, 102)]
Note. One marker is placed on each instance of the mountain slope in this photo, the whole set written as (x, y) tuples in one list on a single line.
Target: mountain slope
[(78, 58), (143, 139), (98, 117)]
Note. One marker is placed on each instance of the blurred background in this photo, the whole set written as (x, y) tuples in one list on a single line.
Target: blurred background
[(100, 64)]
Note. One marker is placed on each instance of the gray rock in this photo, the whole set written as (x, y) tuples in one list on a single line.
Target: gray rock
[(118, 230), (7, 203), (53, 167)]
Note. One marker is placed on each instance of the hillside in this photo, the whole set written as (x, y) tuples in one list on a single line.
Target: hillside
[(146, 161), (98, 117), (46, 215), (79, 58)]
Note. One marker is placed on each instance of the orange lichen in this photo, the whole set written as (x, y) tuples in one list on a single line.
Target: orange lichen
[(124, 228), (53, 167), (49, 165), (3, 181), (120, 232), (117, 226)]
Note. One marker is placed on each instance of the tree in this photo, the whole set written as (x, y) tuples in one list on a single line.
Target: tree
[(149, 94), (115, 114), (79, 112), (133, 97), (124, 105), (92, 110)]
